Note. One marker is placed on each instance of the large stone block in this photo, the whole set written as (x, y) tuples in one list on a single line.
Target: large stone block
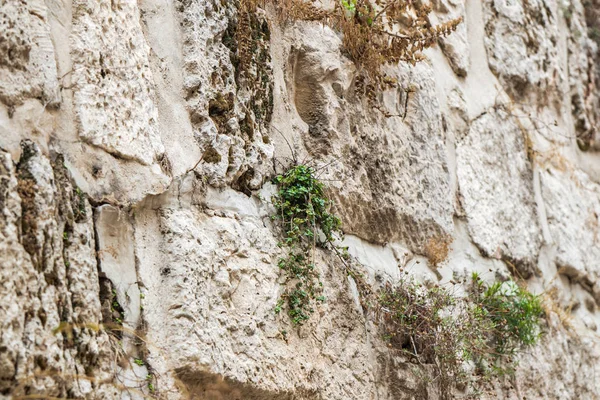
[(211, 285), (387, 166), (112, 80), (495, 180), (522, 44), (49, 296), (27, 59), (572, 202)]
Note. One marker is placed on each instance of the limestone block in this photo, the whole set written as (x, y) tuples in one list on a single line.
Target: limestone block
[(228, 118), (572, 203), (388, 174), (455, 46), (27, 60), (496, 187), (50, 309), (117, 259), (112, 80), (212, 285), (521, 39)]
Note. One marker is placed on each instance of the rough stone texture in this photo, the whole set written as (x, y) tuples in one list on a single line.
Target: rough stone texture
[(117, 260), (573, 210), (50, 308), (230, 260), (113, 82), (140, 196), (226, 124), (27, 67), (592, 19), (521, 41), (582, 78), (500, 208), (455, 46), (389, 175), (578, 372), (396, 170)]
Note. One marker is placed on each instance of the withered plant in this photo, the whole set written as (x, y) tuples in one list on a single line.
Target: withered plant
[(374, 32)]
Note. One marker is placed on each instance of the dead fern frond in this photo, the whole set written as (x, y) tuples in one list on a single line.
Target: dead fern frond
[(374, 32), (246, 11), (300, 10)]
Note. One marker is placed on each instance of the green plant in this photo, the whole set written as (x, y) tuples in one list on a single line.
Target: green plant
[(349, 5), (303, 207), (514, 312), (150, 382), (427, 324), (487, 327), (303, 211), (117, 311), (138, 361), (79, 204)]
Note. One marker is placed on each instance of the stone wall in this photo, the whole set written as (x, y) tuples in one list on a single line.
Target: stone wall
[(138, 257)]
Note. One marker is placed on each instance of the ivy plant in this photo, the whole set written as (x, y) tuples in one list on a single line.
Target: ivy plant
[(303, 210)]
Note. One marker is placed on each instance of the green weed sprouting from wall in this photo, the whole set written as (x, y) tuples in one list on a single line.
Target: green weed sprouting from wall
[(303, 211), (487, 326), (513, 312)]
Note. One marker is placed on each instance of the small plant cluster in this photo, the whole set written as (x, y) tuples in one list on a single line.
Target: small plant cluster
[(375, 32), (117, 312), (437, 248), (487, 327), (303, 211), (513, 312)]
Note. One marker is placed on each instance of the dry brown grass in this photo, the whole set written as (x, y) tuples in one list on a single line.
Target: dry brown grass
[(375, 32), (550, 304), (437, 249)]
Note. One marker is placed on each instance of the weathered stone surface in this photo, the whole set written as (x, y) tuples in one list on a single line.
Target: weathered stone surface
[(27, 64), (111, 76), (173, 135), (201, 290), (228, 115), (592, 19), (573, 208), (577, 358), (521, 41), (496, 188), (50, 310), (582, 78), (117, 260), (162, 31), (389, 175), (455, 46)]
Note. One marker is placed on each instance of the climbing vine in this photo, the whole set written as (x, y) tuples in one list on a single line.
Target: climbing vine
[(303, 210)]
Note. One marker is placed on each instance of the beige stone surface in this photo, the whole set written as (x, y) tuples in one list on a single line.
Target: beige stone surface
[(50, 313), (138, 258), (27, 66), (500, 208), (113, 86)]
